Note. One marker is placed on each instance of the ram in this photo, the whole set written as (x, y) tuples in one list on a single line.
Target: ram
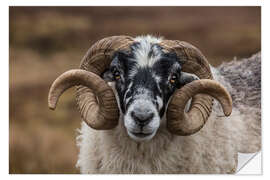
[(147, 107)]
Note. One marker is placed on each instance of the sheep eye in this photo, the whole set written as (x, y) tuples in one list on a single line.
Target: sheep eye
[(173, 79), (116, 75)]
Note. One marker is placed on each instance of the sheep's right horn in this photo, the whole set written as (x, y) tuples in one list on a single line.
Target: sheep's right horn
[(101, 112), (97, 59), (95, 99)]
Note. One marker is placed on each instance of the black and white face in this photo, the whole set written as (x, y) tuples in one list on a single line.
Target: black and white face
[(145, 79)]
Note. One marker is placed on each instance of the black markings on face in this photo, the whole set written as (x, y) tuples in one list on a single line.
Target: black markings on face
[(156, 81), (154, 51)]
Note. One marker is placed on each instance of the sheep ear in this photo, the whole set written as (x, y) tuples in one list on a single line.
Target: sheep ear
[(107, 75), (186, 78)]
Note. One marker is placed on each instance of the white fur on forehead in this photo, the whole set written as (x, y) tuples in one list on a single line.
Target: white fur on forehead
[(144, 47), (148, 38)]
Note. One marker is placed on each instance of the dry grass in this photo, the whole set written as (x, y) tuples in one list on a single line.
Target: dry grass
[(45, 42)]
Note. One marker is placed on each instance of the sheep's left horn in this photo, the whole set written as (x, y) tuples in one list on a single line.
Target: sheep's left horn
[(194, 62), (101, 112), (186, 123)]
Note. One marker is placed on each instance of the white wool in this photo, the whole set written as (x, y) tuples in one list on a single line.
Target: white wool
[(144, 47), (211, 150), (148, 38)]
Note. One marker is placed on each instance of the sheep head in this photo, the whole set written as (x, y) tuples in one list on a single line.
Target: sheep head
[(179, 60)]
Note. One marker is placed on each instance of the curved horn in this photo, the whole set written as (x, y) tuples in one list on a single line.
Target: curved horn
[(102, 109), (95, 99), (194, 62), (183, 123)]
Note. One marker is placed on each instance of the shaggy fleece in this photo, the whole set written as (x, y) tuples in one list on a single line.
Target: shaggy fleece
[(212, 150)]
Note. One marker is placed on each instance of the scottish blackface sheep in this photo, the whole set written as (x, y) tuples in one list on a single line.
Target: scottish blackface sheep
[(147, 107)]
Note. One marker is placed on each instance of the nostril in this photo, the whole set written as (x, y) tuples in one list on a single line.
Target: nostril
[(142, 118), (150, 116)]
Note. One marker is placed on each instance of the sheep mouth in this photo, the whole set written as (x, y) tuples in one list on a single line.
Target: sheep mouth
[(141, 134)]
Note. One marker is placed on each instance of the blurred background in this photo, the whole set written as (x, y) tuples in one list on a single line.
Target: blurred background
[(46, 41)]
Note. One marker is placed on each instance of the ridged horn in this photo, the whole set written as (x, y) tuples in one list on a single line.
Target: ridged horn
[(201, 91), (192, 121), (103, 105), (95, 99)]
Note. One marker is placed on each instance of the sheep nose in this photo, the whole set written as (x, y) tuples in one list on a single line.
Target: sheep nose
[(142, 116)]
